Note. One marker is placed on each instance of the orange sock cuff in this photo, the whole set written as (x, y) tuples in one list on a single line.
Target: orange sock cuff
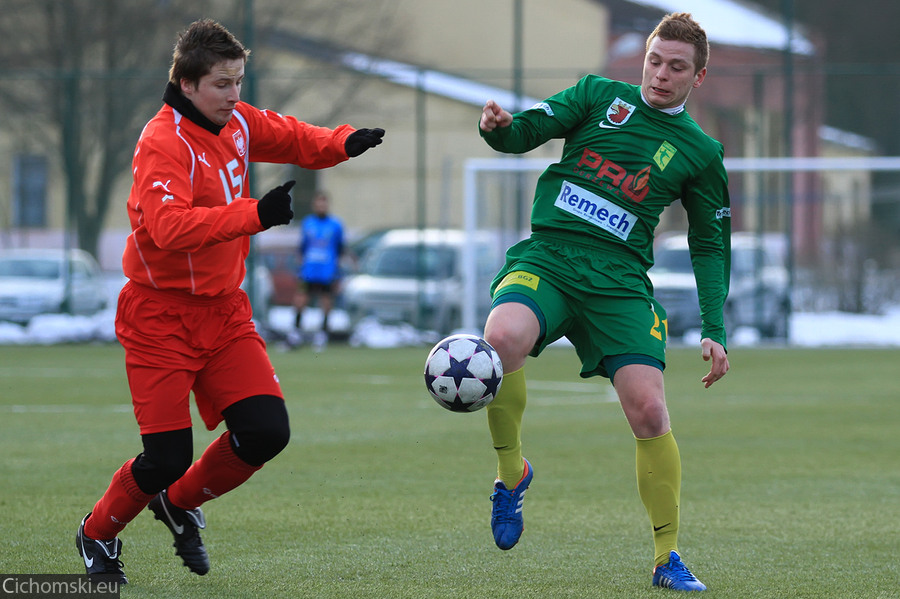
[(218, 471), (121, 503)]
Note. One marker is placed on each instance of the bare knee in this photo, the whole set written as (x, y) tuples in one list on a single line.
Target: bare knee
[(511, 348), (512, 329), (640, 390), (648, 417)]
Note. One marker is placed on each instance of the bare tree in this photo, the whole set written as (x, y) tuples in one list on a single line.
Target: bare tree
[(86, 69), (83, 76)]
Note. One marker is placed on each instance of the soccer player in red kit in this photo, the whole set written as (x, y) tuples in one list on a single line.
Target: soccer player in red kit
[(182, 318)]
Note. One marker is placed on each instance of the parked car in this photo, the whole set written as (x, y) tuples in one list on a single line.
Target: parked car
[(758, 296), (360, 246), (417, 277), (280, 255), (33, 281)]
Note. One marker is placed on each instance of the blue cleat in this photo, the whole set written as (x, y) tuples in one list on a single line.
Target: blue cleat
[(507, 523), (675, 575)]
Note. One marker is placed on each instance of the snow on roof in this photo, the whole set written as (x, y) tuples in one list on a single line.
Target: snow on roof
[(435, 82), (432, 81), (736, 24)]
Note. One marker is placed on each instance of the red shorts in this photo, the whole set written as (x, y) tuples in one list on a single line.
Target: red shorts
[(176, 343)]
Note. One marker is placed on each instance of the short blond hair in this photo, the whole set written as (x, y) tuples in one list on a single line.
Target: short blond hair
[(681, 27)]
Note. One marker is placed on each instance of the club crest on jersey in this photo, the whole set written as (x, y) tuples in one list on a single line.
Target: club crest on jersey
[(619, 111), (664, 155), (239, 142)]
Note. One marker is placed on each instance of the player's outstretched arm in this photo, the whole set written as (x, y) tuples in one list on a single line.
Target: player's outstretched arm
[(492, 116), (361, 140), (715, 352)]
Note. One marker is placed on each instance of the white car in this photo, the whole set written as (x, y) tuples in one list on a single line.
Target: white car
[(417, 277), (758, 293), (41, 281)]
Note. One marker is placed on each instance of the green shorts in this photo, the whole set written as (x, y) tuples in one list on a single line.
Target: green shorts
[(599, 300)]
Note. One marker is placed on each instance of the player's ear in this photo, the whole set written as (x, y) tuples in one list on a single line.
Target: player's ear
[(187, 86), (699, 77)]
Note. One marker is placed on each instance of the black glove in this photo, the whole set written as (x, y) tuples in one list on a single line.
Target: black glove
[(361, 140), (275, 207)]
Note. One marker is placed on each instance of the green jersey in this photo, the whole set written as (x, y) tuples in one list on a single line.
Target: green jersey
[(622, 163)]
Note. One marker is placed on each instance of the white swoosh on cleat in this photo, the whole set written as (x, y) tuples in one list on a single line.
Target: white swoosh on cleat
[(179, 529), (87, 562)]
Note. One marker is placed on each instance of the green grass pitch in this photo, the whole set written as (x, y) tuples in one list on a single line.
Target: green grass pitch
[(791, 481)]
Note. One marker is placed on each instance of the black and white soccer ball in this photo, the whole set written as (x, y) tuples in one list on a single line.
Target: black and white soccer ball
[(463, 373)]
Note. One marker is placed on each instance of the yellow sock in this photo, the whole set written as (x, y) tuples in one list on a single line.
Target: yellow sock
[(658, 465), (505, 421)]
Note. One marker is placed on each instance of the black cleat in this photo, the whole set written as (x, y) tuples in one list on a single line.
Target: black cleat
[(185, 526), (101, 558)]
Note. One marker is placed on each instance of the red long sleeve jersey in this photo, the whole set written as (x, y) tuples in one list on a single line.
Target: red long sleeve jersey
[(190, 215)]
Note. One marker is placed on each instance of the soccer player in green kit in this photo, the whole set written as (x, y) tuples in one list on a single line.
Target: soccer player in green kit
[(629, 152)]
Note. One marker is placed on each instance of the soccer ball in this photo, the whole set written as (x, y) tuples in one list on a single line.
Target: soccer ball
[(463, 373)]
